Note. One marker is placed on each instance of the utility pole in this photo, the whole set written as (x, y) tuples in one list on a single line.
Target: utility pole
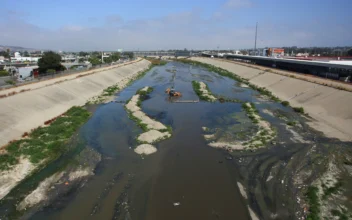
[(255, 41)]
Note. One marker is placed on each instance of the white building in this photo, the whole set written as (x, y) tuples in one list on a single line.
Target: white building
[(19, 58), (70, 58), (302, 55)]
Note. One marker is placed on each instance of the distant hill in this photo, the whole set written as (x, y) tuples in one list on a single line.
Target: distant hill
[(16, 48)]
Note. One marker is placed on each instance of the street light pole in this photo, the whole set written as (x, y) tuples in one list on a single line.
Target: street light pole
[(255, 41)]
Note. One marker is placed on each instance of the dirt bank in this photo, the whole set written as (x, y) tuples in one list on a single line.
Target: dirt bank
[(59, 185), (45, 100), (330, 108)]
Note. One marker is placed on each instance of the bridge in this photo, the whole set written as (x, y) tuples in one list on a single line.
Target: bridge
[(177, 53), (17, 65), (339, 70), (153, 53), (66, 65)]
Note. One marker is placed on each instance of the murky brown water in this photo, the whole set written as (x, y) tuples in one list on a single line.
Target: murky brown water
[(184, 170)]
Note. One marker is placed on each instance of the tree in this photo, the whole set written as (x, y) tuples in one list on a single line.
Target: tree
[(115, 57), (349, 52), (82, 54), (25, 54), (108, 59), (5, 54), (129, 54), (50, 60), (80, 60), (94, 60), (96, 53)]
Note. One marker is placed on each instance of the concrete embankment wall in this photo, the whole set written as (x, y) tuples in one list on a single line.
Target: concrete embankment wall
[(24, 111), (331, 108)]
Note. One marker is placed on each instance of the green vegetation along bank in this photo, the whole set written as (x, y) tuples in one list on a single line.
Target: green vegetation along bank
[(239, 79), (41, 146)]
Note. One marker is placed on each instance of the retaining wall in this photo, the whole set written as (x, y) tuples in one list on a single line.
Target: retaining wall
[(45, 100), (331, 108)]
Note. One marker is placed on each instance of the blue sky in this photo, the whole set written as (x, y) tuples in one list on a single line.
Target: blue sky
[(192, 24)]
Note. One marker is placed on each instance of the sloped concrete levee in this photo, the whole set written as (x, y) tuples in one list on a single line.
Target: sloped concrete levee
[(330, 107), (42, 101)]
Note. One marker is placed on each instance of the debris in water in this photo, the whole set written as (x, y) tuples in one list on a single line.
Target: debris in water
[(177, 203), (229, 158)]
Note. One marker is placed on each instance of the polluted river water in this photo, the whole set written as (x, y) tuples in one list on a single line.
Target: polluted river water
[(186, 178)]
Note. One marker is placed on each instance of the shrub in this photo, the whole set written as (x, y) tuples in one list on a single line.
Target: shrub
[(298, 109), (291, 123), (11, 82), (25, 134), (285, 103), (313, 201), (51, 71), (196, 88), (4, 73), (45, 143)]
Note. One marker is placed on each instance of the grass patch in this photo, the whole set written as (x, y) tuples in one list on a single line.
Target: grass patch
[(332, 190), (196, 88), (10, 82), (342, 215), (4, 73), (285, 103), (298, 109), (139, 122), (230, 75), (110, 90), (246, 108), (113, 89), (45, 143), (143, 95), (291, 123), (251, 112), (314, 204), (168, 129)]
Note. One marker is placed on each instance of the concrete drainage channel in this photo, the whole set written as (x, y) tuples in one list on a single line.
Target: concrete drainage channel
[(27, 110), (239, 146)]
